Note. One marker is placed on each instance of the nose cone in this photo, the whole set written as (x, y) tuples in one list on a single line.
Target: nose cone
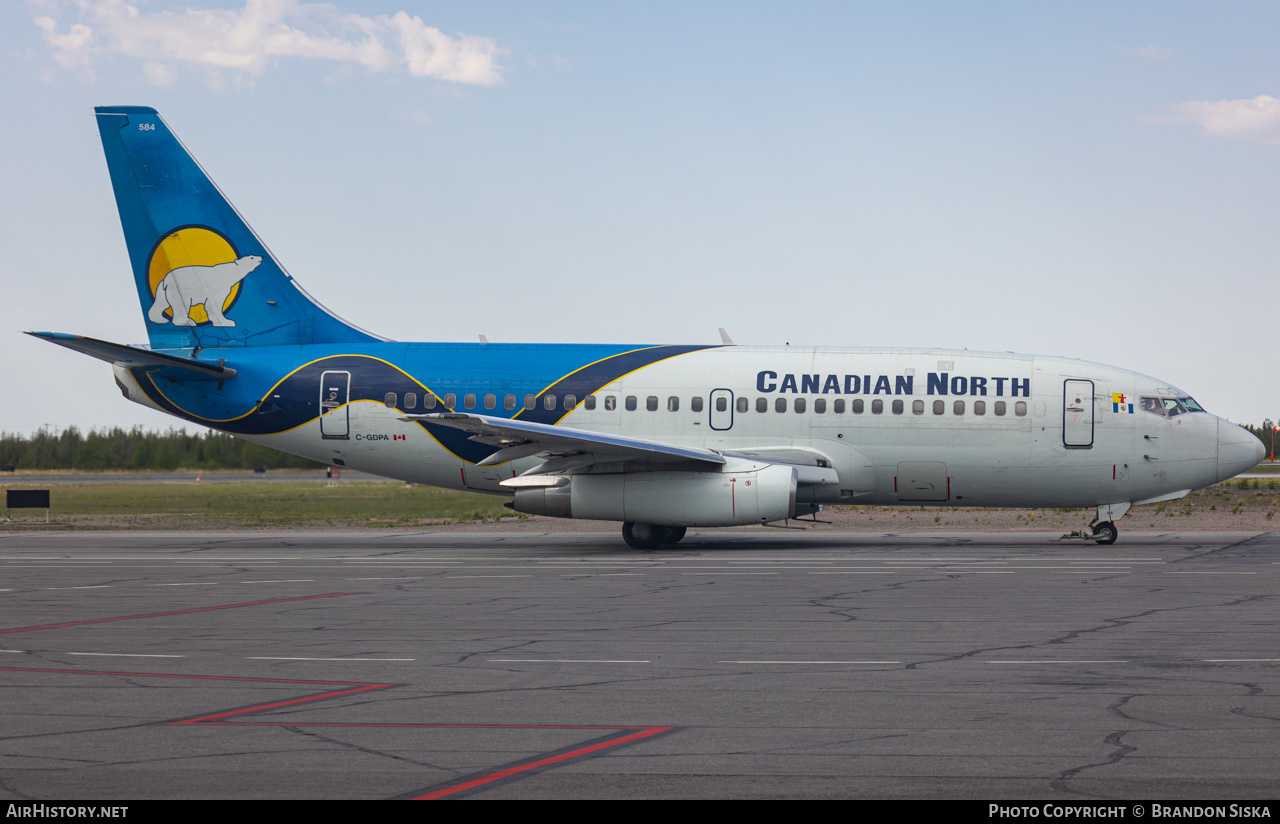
[(1238, 450)]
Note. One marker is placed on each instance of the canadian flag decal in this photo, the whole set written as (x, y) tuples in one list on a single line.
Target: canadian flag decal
[(398, 437)]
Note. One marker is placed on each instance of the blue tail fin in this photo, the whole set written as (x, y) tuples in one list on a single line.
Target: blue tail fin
[(204, 278)]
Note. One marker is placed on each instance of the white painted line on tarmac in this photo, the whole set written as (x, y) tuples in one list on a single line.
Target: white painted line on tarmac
[(1238, 660), (99, 586), (125, 655), (285, 581), (264, 658), (15, 651), (565, 661), (1057, 662), (405, 578), (809, 662), (193, 584), (486, 576), (729, 573), (1200, 572)]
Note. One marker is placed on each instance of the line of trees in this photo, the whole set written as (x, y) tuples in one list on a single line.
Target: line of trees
[(138, 449)]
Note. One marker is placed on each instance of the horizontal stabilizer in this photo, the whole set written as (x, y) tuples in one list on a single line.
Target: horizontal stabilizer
[(132, 357)]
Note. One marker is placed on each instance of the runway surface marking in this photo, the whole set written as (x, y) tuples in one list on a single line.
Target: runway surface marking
[(542, 761), (125, 655), (174, 612)]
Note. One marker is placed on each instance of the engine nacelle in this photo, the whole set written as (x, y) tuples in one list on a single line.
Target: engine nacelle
[(670, 498)]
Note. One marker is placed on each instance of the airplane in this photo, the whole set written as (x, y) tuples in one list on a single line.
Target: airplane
[(658, 437)]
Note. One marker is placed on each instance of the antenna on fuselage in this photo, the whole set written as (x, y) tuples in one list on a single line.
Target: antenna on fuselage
[(725, 339), (483, 339)]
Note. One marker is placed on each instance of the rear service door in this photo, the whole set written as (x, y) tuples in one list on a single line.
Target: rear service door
[(1077, 414), (335, 389)]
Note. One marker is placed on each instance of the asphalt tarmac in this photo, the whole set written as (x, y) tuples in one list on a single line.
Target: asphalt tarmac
[(735, 665)]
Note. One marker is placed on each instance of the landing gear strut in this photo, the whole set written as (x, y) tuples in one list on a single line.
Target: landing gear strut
[(648, 536)]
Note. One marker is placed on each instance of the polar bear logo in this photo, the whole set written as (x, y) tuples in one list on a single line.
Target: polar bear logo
[(189, 286)]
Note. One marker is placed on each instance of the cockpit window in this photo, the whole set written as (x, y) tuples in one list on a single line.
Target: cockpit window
[(1172, 408), (1152, 405), (1191, 405)]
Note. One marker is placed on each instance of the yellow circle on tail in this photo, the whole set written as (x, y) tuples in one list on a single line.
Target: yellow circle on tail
[(193, 246)]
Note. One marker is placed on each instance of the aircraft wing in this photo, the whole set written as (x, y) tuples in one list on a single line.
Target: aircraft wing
[(564, 448)]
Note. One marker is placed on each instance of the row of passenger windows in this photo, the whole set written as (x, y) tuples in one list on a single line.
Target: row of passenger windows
[(780, 404)]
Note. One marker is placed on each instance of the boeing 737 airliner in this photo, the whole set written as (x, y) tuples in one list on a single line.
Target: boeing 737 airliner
[(659, 438)]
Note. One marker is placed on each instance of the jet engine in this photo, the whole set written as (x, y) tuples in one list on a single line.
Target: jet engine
[(669, 498)]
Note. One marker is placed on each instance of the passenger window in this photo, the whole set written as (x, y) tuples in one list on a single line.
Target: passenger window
[(631, 403), (917, 407), (897, 407), (570, 401), (610, 403), (490, 401), (800, 404), (428, 401), (722, 403), (743, 404), (390, 400), (877, 406), (509, 402), (696, 403), (762, 404), (1020, 408), (651, 403), (451, 400), (410, 400), (979, 407), (548, 401), (858, 406), (780, 405), (939, 407), (530, 401), (469, 401), (589, 403), (819, 406), (958, 407), (838, 406), (1000, 407), (673, 404)]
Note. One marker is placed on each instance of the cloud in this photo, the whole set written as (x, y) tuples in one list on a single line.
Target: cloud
[(1256, 119), (249, 40), (1147, 52)]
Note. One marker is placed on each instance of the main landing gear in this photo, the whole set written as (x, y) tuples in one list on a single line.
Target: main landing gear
[(648, 536)]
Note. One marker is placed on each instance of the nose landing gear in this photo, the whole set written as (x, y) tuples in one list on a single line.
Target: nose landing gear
[(1105, 532), (1103, 524)]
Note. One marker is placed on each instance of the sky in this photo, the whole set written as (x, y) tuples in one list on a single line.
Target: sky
[(1098, 180)]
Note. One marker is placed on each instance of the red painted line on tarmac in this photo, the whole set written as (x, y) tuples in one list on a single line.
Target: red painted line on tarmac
[(260, 707), (542, 762), (175, 612)]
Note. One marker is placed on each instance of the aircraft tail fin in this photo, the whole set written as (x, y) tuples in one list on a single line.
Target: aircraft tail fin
[(204, 278)]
